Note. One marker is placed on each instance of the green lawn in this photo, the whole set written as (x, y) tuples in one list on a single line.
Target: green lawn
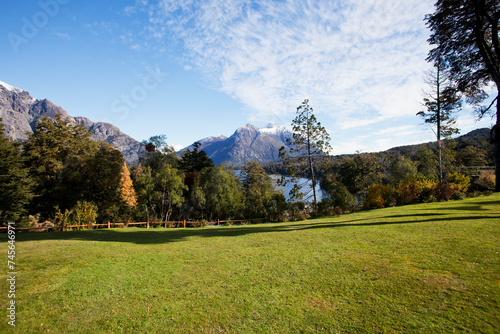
[(430, 268)]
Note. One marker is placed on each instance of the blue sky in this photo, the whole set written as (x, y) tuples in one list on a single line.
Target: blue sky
[(192, 69)]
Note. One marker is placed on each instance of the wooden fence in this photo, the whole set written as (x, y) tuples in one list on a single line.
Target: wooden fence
[(475, 171), (170, 224)]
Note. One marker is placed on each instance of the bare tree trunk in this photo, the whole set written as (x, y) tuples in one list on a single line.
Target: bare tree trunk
[(313, 180), (438, 121), (496, 142), (311, 169)]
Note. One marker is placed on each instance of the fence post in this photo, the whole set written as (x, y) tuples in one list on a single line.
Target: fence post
[(184, 223), (109, 225), (147, 224), (218, 221)]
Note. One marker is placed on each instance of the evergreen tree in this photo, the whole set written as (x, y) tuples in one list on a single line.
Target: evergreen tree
[(400, 169), (192, 162), (441, 102), (55, 151), (426, 161), (68, 166), (309, 140), (100, 173), (465, 34), (15, 183), (195, 159), (360, 172)]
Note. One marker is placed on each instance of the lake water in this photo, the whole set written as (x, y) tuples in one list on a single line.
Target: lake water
[(305, 183), (306, 188)]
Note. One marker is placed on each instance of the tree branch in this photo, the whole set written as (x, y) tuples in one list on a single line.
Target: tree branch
[(482, 112)]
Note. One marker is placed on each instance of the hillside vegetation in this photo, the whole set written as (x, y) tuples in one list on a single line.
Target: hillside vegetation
[(420, 268)]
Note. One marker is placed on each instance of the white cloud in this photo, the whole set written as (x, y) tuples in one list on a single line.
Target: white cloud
[(360, 61)]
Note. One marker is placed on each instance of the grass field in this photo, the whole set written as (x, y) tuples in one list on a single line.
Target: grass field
[(430, 268)]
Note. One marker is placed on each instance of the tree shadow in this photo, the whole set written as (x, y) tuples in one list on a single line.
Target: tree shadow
[(468, 206), (165, 236)]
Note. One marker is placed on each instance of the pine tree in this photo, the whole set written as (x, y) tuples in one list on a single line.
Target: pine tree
[(441, 102), (195, 159), (309, 140), (15, 184)]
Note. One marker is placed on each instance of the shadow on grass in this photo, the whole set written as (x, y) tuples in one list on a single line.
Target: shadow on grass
[(163, 236)]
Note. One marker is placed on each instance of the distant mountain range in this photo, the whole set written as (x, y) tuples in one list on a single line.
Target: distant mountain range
[(20, 112), (246, 143)]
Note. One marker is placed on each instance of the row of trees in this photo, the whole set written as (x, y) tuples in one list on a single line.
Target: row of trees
[(191, 187), (61, 174), (58, 166), (383, 179)]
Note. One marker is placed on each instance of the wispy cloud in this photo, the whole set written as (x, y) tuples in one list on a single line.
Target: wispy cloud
[(63, 35), (361, 61)]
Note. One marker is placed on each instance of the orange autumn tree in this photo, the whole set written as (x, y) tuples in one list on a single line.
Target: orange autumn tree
[(127, 192)]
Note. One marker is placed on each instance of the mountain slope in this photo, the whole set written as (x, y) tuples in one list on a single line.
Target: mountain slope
[(246, 143), (20, 112)]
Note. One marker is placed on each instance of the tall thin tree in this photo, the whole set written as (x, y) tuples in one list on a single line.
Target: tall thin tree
[(465, 36), (441, 102), (309, 140)]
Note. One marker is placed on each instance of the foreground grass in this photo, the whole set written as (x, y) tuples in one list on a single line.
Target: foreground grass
[(423, 268)]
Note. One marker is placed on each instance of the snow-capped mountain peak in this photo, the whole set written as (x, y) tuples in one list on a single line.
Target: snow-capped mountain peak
[(273, 128), (10, 88)]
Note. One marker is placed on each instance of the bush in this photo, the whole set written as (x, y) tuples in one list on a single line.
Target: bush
[(30, 221), (326, 208), (62, 218), (341, 197), (200, 223), (458, 195), (84, 213), (459, 182), (416, 190), (379, 196), (408, 191), (443, 192), (427, 190), (298, 211)]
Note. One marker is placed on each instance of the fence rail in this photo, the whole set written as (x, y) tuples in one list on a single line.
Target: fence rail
[(476, 170), (183, 223)]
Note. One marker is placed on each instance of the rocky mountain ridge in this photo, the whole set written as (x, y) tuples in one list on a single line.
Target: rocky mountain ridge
[(20, 112), (246, 143)]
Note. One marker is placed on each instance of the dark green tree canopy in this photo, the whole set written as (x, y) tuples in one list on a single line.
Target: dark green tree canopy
[(68, 166), (195, 159), (16, 186), (465, 35)]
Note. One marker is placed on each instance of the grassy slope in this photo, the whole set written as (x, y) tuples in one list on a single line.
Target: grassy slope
[(423, 268)]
